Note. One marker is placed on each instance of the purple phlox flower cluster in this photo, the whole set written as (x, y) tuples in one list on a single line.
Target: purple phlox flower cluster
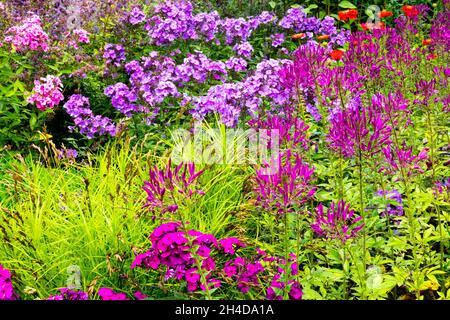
[(277, 285), (236, 64), (290, 131), (79, 109), (47, 93), (173, 248), (395, 205), (109, 294), (244, 272), (339, 222), (277, 39), (171, 20), (29, 35), (114, 54), (123, 99), (69, 154), (403, 158), (168, 183), (355, 130), (207, 24), (230, 99), (135, 16), (153, 79), (199, 67), (223, 99), (243, 49), (285, 184), (6, 287), (69, 294), (297, 20)]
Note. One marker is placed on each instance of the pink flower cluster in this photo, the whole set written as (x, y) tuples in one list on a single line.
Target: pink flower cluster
[(6, 288), (109, 294), (46, 94), (174, 248), (28, 36)]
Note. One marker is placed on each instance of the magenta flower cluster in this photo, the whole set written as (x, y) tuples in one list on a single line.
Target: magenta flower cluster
[(174, 248), (6, 287), (69, 294), (29, 35), (47, 93)]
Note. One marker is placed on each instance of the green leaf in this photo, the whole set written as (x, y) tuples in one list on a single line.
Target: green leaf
[(347, 5), (272, 4)]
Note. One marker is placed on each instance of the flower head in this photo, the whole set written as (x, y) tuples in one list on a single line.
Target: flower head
[(339, 222)]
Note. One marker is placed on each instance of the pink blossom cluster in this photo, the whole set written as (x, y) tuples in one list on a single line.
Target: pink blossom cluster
[(47, 93), (28, 36)]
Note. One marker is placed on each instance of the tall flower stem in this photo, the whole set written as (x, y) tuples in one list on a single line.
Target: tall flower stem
[(286, 254), (361, 201), (197, 262), (433, 170)]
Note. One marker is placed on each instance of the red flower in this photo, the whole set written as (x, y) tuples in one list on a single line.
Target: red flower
[(410, 11), (336, 54), (351, 14), (366, 26), (298, 36), (384, 13), (432, 56), (427, 42), (323, 37)]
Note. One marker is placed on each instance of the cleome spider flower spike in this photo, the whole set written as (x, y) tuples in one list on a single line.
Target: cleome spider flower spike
[(353, 130), (291, 131), (288, 186), (167, 183), (403, 159), (339, 222)]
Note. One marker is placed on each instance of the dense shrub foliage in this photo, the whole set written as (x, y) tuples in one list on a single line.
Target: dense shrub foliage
[(353, 96)]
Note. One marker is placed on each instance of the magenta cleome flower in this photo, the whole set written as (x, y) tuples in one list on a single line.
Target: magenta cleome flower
[(167, 184), (286, 185), (339, 222)]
